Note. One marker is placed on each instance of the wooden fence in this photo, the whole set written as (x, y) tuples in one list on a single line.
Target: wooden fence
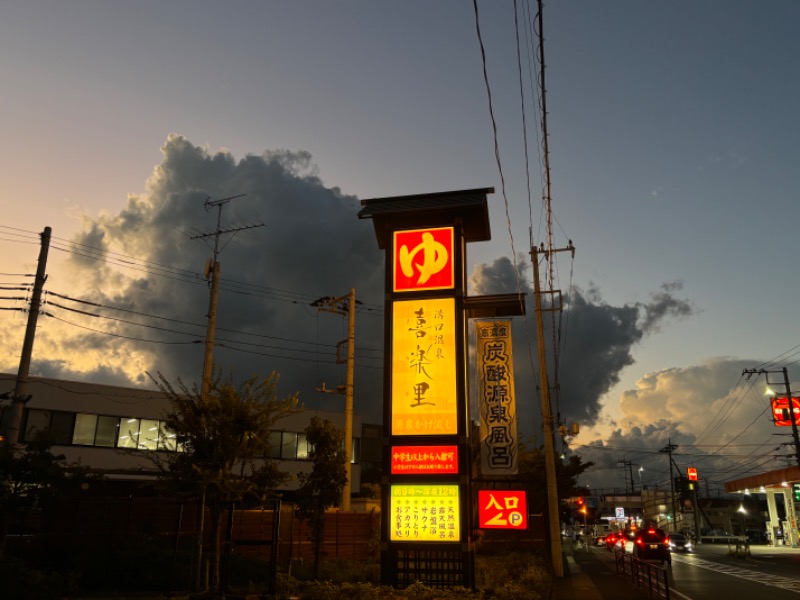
[(108, 523)]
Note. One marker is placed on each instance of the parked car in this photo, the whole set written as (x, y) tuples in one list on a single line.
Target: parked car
[(757, 536), (680, 543), (652, 544)]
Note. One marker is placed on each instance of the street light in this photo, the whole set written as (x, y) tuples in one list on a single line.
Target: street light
[(640, 477), (742, 511)]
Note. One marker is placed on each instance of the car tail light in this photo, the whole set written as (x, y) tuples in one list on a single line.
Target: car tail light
[(639, 541), (666, 540)]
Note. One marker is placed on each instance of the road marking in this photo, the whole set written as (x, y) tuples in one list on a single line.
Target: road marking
[(785, 583)]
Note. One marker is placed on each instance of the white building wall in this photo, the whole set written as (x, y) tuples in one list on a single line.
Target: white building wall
[(81, 397)]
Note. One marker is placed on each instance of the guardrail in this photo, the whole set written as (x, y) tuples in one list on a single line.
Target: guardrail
[(643, 574)]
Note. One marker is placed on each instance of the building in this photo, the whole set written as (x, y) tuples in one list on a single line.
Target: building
[(782, 490), (111, 429)]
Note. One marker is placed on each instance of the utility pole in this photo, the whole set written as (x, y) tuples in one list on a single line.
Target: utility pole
[(669, 449), (340, 306), (212, 269), (626, 463), (547, 417), (20, 399), (790, 401)]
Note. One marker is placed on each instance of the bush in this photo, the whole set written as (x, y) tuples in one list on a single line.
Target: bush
[(513, 576), (23, 583)]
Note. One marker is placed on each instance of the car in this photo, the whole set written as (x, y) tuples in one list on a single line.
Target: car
[(757, 536), (680, 543), (625, 539), (611, 539), (652, 544)]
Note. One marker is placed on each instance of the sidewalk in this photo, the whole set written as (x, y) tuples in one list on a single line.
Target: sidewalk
[(575, 584)]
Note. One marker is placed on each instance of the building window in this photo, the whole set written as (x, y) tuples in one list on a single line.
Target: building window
[(289, 446), (356, 451), (61, 426), (148, 434), (37, 421), (107, 428), (302, 446), (167, 440), (275, 444), (85, 428), (128, 433)]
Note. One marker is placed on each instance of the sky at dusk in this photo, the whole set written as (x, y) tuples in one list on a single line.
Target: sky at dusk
[(673, 153)]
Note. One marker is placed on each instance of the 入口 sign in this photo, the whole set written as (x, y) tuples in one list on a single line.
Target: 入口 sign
[(502, 509)]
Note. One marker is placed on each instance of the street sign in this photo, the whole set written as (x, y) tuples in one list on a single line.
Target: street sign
[(692, 473), (502, 509), (620, 512), (781, 414)]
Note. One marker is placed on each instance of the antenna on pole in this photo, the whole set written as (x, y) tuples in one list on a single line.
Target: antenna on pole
[(211, 269)]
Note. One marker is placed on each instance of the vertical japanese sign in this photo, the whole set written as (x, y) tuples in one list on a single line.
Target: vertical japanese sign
[(423, 259), (498, 419), (424, 367), (425, 513)]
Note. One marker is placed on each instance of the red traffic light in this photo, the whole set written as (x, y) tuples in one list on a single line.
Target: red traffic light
[(579, 501)]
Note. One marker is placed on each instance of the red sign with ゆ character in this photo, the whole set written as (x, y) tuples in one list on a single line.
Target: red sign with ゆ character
[(423, 259), (502, 509)]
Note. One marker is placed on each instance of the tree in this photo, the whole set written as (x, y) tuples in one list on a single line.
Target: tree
[(322, 487), (223, 445), (33, 478), (532, 472)]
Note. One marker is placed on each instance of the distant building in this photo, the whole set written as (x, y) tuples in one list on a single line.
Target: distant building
[(111, 429)]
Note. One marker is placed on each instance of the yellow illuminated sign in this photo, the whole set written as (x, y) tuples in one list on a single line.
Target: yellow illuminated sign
[(498, 413), (424, 513), (424, 367)]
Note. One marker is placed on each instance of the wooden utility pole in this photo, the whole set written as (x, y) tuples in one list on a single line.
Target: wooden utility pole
[(20, 399), (669, 449), (547, 422), (212, 270), (339, 306)]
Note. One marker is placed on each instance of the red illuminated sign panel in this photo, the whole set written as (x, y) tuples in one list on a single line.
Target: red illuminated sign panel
[(781, 414), (423, 259), (692, 473), (502, 509), (408, 460)]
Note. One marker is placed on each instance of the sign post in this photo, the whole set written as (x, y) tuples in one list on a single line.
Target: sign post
[(427, 500)]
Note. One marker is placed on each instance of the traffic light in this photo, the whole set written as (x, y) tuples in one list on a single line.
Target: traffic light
[(684, 488)]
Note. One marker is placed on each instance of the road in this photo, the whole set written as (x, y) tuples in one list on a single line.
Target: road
[(710, 573)]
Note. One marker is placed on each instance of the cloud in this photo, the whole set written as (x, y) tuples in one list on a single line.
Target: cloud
[(718, 419), (311, 245), (595, 339), (152, 309)]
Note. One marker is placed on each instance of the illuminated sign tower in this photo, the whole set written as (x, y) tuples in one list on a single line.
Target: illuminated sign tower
[(426, 492)]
